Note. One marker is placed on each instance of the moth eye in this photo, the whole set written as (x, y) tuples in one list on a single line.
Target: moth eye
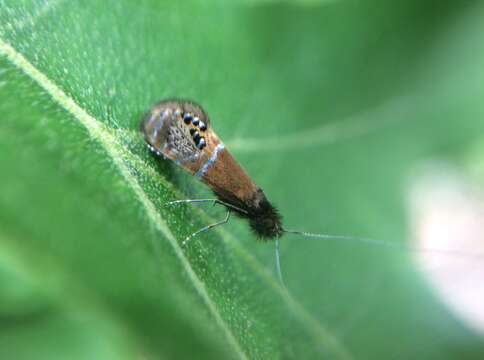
[(202, 126), (187, 118), (196, 121)]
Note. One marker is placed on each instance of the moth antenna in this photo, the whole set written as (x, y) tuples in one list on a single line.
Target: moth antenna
[(383, 243), (278, 263)]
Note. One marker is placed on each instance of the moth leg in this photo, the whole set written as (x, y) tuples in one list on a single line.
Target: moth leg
[(214, 201), (187, 201), (206, 228)]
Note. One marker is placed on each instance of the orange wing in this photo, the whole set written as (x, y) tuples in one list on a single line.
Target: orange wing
[(181, 131)]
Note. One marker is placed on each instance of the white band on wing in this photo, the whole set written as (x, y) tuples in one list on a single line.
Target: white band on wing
[(203, 170)]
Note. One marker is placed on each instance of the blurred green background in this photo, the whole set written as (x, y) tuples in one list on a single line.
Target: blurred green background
[(330, 105)]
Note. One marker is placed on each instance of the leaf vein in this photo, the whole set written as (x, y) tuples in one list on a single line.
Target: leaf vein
[(359, 125), (98, 131), (319, 332)]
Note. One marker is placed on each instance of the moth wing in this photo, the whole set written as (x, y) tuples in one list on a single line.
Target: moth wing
[(168, 135)]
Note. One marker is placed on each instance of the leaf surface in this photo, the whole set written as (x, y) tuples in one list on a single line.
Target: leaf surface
[(330, 107)]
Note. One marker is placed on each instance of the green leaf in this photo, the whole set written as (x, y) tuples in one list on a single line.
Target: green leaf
[(330, 107)]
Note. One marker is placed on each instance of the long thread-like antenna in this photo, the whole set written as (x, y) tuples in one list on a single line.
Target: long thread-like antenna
[(278, 263), (387, 244)]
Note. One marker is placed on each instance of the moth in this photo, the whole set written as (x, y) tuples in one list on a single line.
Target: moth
[(180, 130)]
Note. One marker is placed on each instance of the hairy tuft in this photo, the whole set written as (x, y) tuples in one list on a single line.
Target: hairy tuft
[(266, 222)]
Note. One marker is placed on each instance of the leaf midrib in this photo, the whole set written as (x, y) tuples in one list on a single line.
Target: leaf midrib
[(318, 332), (120, 155), (98, 132)]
